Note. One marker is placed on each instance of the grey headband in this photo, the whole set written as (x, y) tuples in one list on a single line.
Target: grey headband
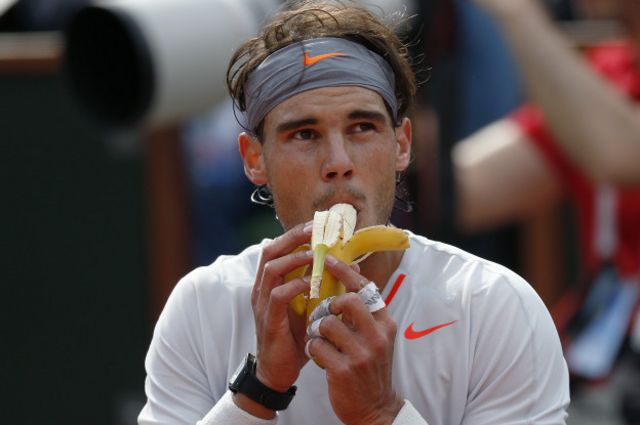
[(312, 64)]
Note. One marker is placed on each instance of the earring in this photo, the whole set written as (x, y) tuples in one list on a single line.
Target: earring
[(402, 202), (261, 195)]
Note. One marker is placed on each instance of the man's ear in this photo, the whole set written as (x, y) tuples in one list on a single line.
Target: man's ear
[(251, 153), (403, 147)]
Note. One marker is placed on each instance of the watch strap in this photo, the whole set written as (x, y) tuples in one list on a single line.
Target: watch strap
[(248, 384)]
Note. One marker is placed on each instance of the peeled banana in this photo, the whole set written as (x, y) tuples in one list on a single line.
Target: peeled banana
[(333, 234)]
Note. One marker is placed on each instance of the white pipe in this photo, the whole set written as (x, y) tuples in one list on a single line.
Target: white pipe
[(184, 45)]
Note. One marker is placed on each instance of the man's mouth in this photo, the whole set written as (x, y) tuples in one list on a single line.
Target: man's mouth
[(326, 205)]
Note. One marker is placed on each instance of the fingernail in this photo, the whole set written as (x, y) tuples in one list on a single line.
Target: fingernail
[(331, 260), (308, 227), (306, 348), (307, 279)]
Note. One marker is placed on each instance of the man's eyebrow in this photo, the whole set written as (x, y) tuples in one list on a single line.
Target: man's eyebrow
[(368, 115), (292, 125)]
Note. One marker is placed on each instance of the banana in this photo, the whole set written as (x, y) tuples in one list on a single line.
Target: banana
[(333, 234), (330, 228)]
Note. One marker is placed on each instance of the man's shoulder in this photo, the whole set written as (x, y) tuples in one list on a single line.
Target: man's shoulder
[(462, 284), (226, 273), (441, 252), (454, 267)]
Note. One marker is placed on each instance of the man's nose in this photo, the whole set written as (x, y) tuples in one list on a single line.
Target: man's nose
[(338, 163)]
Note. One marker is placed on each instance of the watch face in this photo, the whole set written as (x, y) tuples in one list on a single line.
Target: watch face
[(234, 377), (244, 369)]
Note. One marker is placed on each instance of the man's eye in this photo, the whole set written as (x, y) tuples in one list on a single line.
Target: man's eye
[(364, 126), (306, 134)]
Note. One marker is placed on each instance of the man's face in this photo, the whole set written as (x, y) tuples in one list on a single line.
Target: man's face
[(331, 145)]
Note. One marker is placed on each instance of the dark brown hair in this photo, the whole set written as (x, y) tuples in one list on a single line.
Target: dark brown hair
[(308, 19)]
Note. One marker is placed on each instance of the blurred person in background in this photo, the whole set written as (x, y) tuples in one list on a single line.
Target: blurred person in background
[(326, 87), (579, 134)]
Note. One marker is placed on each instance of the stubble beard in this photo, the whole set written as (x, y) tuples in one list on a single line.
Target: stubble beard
[(379, 208)]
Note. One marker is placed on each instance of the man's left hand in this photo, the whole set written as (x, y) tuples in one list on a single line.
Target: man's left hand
[(357, 354)]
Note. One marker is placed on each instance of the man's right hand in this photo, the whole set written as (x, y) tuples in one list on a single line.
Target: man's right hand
[(280, 332)]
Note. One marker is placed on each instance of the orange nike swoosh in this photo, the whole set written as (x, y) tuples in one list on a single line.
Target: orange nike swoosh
[(410, 333), (308, 60)]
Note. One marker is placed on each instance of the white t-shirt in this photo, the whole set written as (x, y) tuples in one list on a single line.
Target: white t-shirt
[(475, 344)]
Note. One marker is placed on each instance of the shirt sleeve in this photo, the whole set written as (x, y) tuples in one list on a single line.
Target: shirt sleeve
[(408, 415), (177, 388), (226, 412), (518, 373)]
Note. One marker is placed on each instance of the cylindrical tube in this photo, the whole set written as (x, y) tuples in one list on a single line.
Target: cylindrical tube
[(146, 63), (151, 62)]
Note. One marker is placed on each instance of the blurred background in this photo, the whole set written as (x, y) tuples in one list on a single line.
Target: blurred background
[(120, 173)]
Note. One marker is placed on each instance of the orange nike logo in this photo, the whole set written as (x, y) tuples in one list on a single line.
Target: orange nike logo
[(308, 60), (410, 333)]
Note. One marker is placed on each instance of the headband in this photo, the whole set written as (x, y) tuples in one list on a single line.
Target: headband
[(312, 64)]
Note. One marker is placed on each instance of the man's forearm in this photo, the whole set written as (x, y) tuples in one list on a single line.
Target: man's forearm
[(596, 125)]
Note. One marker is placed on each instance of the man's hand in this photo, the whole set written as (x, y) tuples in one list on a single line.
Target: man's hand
[(357, 354), (280, 332)]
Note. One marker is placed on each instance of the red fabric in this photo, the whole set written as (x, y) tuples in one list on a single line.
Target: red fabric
[(616, 62)]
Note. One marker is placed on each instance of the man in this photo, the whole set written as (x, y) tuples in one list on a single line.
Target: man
[(325, 88)]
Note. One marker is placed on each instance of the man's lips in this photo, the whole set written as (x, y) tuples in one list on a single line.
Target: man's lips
[(325, 205), (340, 195)]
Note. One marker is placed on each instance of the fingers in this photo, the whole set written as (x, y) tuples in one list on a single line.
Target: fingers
[(354, 313), (358, 325), (369, 294), (333, 343), (355, 267), (273, 273), (355, 282), (323, 352), (278, 247), (284, 244), (348, 275), (282, 295)]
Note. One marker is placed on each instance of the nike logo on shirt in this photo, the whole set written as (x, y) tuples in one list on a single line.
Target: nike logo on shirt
[(411, 333)]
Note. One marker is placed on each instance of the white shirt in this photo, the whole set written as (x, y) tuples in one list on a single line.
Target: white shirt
[(495, 357)]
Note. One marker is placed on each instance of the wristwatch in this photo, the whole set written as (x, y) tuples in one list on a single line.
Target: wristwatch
[(244, 381)]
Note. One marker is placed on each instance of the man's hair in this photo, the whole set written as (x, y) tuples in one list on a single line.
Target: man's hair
[(309, 19)]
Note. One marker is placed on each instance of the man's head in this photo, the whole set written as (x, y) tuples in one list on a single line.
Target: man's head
[(313, 19), (325, 88)]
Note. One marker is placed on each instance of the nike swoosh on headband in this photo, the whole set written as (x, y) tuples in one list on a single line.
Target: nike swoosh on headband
[(301, 66), (308, 60)]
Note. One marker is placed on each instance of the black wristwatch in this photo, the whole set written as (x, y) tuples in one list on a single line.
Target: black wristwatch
[(244, 381)]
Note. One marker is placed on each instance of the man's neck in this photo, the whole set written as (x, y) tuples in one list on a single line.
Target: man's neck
[(380, 266)]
